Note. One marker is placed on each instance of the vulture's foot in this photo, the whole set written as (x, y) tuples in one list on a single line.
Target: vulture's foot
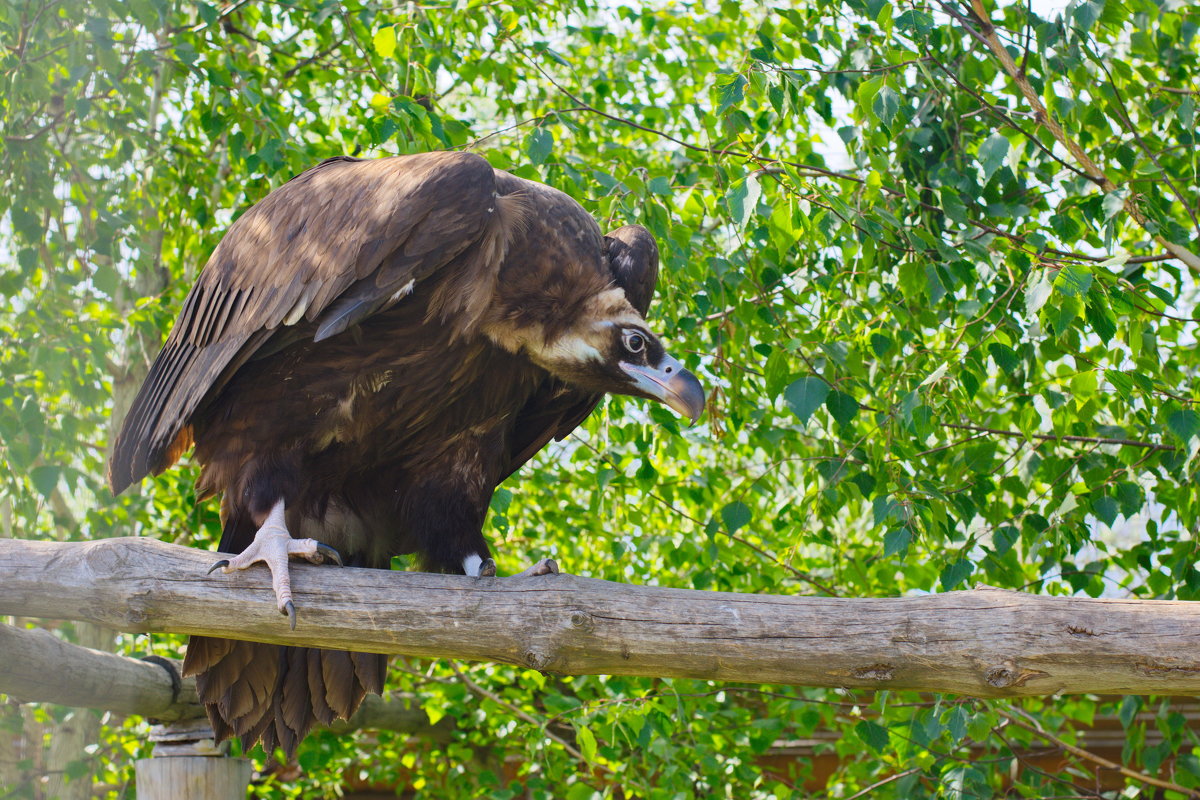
[(273, 545), (547, 566), (475, 568)]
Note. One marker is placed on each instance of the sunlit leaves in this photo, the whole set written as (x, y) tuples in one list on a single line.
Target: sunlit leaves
[(890, 276)]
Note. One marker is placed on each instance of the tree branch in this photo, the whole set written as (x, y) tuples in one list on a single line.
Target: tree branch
[(985, 642), (41, 668), (1093, 171)]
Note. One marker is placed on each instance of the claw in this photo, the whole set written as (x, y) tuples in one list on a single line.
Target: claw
[(289, 610), (224, 562), (330, 554), (487, 569)]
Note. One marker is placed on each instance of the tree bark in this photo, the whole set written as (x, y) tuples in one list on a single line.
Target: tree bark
[(984, 642)]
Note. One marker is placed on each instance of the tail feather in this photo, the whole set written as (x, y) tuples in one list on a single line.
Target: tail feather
[(343, 692), (316, 689), (276, 694), (371, 671)]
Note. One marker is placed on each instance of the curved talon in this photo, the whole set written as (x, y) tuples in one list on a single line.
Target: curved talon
[(329, 554), (487, 569), (224, 562), (289, 610)]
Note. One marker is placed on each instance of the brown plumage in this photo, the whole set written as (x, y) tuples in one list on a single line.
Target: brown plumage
[(368, 353)]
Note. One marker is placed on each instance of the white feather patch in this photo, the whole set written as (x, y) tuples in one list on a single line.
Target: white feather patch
[(402, 292), (570, 348)]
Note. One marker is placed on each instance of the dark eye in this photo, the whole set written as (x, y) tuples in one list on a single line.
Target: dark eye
[(634, 342)]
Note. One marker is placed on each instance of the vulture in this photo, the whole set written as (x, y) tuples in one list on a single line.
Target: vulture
[(369, 351)]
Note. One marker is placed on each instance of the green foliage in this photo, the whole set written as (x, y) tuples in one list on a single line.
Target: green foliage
[(903, 290)]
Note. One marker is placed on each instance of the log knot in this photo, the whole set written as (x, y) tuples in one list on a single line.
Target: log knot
[(874, 672), (536, 660), (137, 609), (581, 620), (1007, 676)]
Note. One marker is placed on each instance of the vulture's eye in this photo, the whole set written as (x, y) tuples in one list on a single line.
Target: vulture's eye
[(634, 342)]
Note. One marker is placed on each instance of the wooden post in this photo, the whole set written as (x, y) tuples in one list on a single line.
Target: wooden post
[(188, 765)]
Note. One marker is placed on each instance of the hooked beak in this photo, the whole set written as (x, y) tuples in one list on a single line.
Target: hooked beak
[(670, 383)]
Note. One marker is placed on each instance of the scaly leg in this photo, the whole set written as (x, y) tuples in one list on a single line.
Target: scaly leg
[(273, 545), (477, 567)]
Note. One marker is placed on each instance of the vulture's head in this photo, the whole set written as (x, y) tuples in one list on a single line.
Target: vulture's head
[(609, 348)]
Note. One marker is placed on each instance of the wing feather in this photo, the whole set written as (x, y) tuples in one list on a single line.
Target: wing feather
[(289, 257)]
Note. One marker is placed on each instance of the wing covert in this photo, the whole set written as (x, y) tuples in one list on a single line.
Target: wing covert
[(358, 230)]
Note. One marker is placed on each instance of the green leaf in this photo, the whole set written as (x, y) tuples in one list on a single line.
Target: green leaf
[(1005, 357), (842, 407), (954, 574), (865, 94), (1074, 280), (1004, 538), (805, 396), (501, 500), (742, 199), (730, 92), (538, 145), (1114, 202), (1184, 423), (777, 372), (44, 479), (1037, 295), (1105, 509), (896, 540), (384, 41), (1101, 319), (886, 104), (1129, 709), (1121, 382), (956, 724), (872, 734), (587, 743), (881, 345), (991, 155), (735, 515)]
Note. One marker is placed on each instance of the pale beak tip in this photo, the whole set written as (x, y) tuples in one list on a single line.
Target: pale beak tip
[(686, 395)]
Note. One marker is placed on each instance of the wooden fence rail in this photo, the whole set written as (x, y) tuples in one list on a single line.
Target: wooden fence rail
[(982, 642)]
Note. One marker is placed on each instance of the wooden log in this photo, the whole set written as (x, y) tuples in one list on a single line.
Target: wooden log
[(38, 667), (984, 642)]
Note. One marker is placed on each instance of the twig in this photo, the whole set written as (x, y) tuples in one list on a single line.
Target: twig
[(883, 782), (1045, 437), (1021, 722)]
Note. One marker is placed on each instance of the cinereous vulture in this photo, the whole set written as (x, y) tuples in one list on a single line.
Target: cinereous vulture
[(370, 350)]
